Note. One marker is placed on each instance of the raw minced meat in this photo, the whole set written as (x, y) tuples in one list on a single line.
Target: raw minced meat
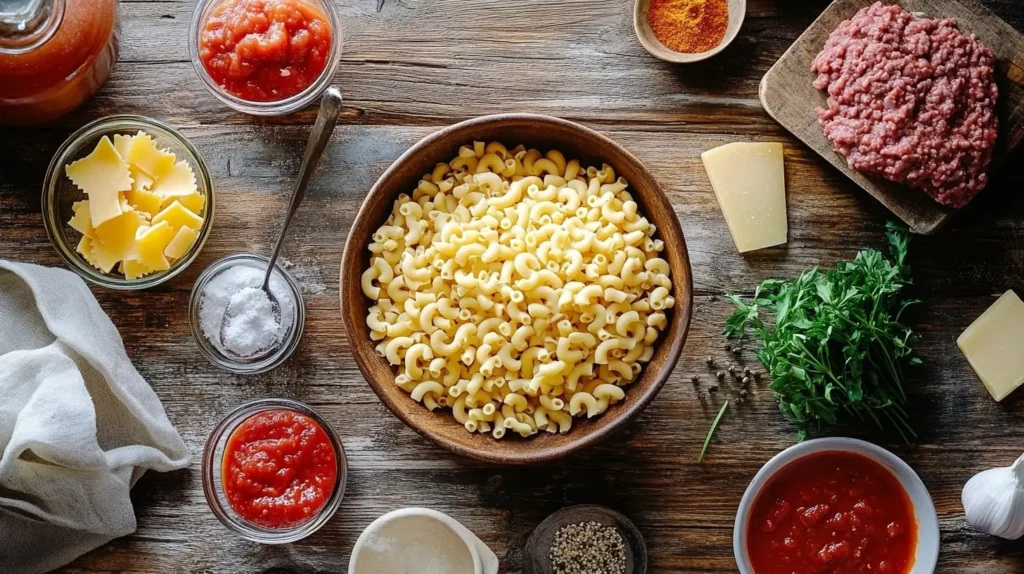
[(910, 99)]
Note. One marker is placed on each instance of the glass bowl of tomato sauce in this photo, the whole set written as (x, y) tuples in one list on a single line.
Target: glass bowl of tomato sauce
[(274, 471), (265, 57), (837, 506)]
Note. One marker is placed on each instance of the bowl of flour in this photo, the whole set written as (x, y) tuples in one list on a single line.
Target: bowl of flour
[(234, 322), (420, 541)]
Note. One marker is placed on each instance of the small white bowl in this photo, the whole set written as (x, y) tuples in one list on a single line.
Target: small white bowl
[(927, 553), (427, 527)]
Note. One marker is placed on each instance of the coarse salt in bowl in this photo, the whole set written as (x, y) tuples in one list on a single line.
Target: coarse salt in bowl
[(247, 341)]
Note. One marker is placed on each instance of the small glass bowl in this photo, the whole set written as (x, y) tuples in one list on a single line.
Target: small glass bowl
[(280, 107), (213, 457), (59, 194), (260, 363)]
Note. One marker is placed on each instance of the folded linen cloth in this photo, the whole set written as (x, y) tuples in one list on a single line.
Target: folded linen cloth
[(78, 424)]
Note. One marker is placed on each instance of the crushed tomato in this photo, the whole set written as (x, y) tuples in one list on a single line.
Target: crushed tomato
[(279, 469), (265, 50), (832, 513)]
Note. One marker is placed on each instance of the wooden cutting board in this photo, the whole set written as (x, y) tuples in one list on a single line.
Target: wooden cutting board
[(788, 95)]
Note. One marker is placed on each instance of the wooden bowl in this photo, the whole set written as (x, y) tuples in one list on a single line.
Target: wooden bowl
[(543, 133), (650, 42)]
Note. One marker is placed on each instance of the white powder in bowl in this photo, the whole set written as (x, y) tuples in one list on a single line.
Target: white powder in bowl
[(412, 545), (237, 317)]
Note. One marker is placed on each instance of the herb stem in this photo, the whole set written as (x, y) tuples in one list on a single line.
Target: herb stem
[(711, 432)]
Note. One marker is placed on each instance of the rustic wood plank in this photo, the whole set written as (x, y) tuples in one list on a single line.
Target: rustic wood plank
[(421, 65), (788, 96)]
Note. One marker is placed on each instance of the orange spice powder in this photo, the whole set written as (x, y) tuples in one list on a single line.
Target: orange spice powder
[(689, 26)]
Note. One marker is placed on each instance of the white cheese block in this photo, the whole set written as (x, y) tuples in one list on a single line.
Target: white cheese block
[(994, 346), (750, 183)]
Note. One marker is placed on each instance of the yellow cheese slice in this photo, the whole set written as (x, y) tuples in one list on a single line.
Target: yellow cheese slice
[(143, 154), (80, 220), (181, 243), (143, 200), (140, 181), (97, 255), (179, 181), (193, 202), (117, 236), (121, 144), (132, 269), (151, 242), (178, 217), (993, 345), (101, 174), (749, 182)]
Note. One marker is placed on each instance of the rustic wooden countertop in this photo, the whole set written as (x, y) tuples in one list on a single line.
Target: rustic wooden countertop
[(422, 64)]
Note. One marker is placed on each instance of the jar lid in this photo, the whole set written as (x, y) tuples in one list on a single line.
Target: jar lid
[(27, 24)]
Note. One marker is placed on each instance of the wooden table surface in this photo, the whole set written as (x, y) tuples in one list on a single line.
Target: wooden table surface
[(422, 64)]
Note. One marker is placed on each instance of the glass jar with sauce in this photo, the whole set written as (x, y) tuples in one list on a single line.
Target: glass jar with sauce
[(54, 54)]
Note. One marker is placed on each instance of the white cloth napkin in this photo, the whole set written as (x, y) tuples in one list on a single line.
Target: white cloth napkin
[(78, 424)]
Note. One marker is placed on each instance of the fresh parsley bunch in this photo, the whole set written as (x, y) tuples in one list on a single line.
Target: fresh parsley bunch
[(837, 349)]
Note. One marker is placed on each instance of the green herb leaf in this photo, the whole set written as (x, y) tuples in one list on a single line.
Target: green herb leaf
[(711, 432), (835, 346)]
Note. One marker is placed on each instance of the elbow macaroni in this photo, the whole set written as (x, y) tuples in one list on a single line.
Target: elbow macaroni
[(518, 289)]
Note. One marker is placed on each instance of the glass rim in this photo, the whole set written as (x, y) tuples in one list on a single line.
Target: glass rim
[(54, 172), (213, 459), (223, 361), (278, 107)]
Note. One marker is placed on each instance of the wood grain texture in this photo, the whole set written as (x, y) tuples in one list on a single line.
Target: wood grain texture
[(788, 96), (420, 65)]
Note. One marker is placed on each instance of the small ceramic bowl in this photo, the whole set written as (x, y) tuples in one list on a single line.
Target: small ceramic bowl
[(412, 531), (537, 553), (264, 361), (59, 194), (275, 108), (213, 487), (927, 553), (650, 42)]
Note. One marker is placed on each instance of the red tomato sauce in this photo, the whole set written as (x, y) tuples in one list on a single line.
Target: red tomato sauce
[(832, 513), (279, 469), (265, 50)]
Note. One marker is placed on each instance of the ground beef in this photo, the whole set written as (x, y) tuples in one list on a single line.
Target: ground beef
[(910, 99)]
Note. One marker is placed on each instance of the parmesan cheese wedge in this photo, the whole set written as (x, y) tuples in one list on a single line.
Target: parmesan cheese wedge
[(749, 182), (994, 346)]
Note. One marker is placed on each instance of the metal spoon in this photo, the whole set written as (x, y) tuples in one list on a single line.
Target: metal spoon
[(326, 118)]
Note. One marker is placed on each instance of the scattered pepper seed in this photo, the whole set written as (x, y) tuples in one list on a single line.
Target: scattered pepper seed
[(746, 381), (710, 361), (743, 393), (746, 371), (713, 388), (757, 375), (694, 379), (732, 369), (702, 395), (720, 375), (588, 548), (736, 350)]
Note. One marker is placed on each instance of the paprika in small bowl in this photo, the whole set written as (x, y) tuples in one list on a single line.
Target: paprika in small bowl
[(686, 31)]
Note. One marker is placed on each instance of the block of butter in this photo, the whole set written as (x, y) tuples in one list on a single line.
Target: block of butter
[(994, 346), (750, 183)]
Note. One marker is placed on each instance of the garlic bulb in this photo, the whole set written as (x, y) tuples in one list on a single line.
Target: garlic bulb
[(994, 501)]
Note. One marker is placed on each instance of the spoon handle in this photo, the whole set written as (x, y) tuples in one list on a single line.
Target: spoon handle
[(326, 118)]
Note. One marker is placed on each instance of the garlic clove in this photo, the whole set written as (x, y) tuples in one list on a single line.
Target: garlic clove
[(993, 501)]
